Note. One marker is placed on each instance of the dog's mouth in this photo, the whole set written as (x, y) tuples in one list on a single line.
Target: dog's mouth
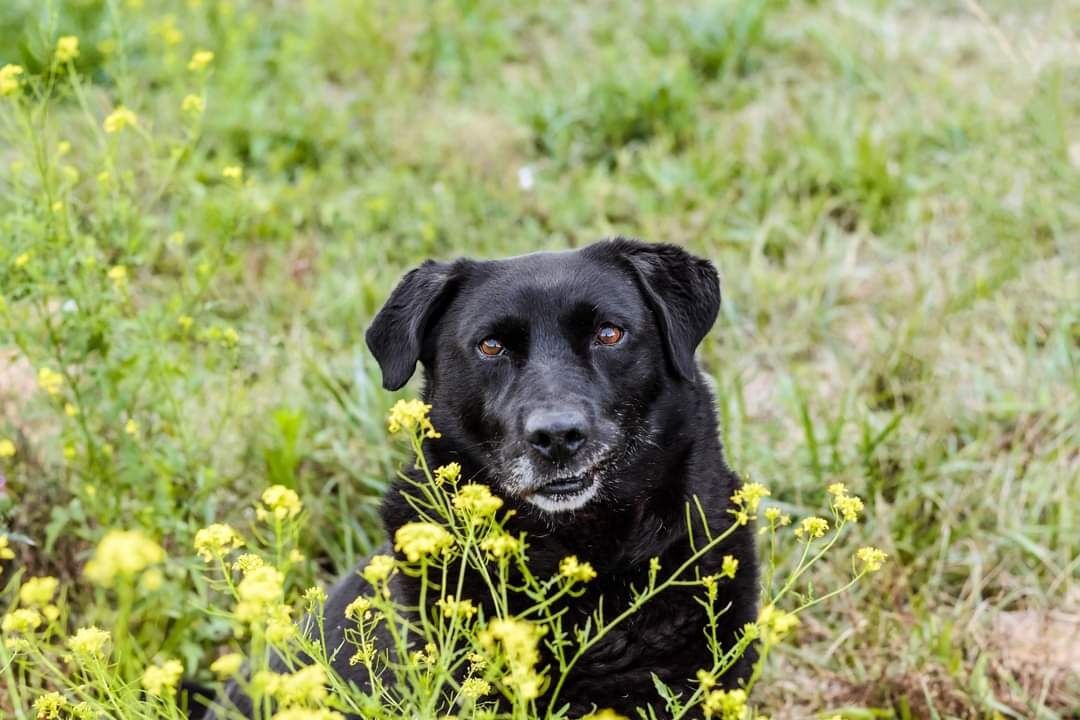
[(565, 493), (558, 489), (562, 488)]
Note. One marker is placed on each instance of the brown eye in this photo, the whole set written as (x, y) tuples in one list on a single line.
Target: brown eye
[(608, 334), (491, 347)]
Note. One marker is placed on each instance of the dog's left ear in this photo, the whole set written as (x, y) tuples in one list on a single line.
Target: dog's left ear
[(396, 335), (682, 290)]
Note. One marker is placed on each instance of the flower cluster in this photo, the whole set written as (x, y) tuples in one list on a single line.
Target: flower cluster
[(67, 49), (774, 624), (9, 79), (161, 680), (476, 502), (123, 554), (746, 500), (871, 558), (422, 539), (576, 571), (812, 528), (280, 503), (215, 541), (119, 119), (725, 704), (259, 592), (378, 569), (412, 416), (89, 643), (845, 505), (516, 641), (462, 609), (448, 473)]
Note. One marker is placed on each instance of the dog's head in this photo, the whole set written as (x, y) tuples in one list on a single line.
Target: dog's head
[(546, 372)]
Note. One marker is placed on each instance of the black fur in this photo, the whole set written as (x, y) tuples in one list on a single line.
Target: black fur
[(648, 415)]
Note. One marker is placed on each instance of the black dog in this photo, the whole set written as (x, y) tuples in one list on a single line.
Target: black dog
[(567, 383)]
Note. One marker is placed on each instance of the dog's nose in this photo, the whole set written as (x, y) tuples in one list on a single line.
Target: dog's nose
[(556, 434)]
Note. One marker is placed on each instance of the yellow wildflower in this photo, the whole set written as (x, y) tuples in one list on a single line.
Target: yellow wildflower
[(729, 566), (871, 558), (22, 260), (849, 507), (476, 501), (247, 563), (279, 625), (378, 569), (725, 704), (307, 714), (131, 428), (38, 591), (63, 148), (420, 539), (122, 553), (216, 540), (306, 686), (70, 410), (776, 517), (447, 473), (749, 496), (315, 595), (775, 624), (605, 714), (232, 172), (50, 381), (162, 679), (200, 60), (6, 553), (358, 608), (706, 679), (193, 104), (227, 665), (500, 545), (812, 528), (518, 641), (9, 79), (21, 622), (185, 322), (475, 688), (260, 588), (50, 706), (576, 571), (118, 274), (709, 582), (67, 49), (280, 503), (7, 448), (89, 642), (119, 119), (412, 415), (453, 607), (837, 489)]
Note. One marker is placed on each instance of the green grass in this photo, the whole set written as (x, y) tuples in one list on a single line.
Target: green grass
[(891, 192)]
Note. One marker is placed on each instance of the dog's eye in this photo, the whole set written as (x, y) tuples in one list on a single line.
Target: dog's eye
[(608, 334), (491, 347)]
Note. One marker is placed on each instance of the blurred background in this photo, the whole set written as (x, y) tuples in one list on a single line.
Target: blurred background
[(891, 191)]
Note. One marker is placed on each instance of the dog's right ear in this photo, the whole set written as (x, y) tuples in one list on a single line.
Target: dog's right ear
[(396, 335)]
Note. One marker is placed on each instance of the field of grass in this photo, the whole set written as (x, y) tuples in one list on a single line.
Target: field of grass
[(890, 190)]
